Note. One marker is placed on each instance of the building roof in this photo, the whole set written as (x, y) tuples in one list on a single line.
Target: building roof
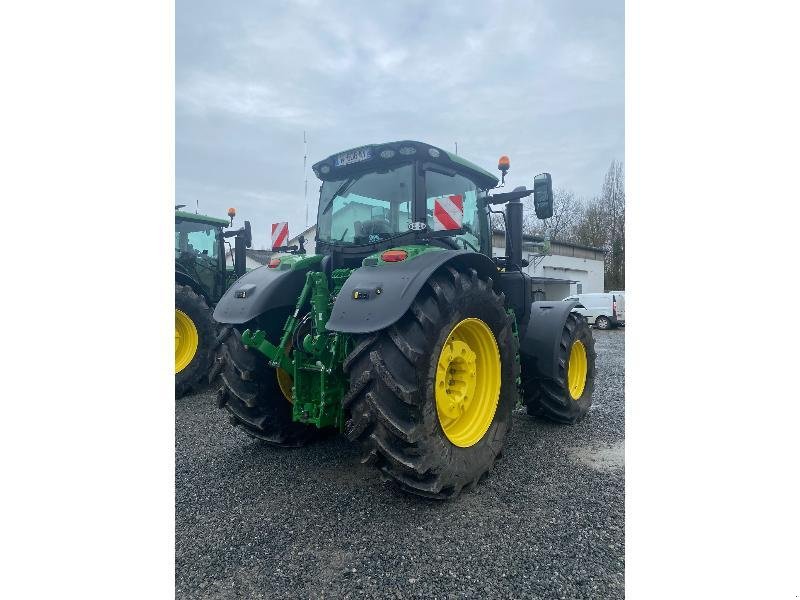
[(545, 280), (260, 256), (540, 239), (304, 233)]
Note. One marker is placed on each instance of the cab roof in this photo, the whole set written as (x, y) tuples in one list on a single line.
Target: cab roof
[(186, 216), (370, 156)]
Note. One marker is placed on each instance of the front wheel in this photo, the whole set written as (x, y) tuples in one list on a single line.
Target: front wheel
[(602, 322), (567, 397), (431, 397)]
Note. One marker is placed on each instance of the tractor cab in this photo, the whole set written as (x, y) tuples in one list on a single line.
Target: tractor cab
[(384, 195), (200, 252)]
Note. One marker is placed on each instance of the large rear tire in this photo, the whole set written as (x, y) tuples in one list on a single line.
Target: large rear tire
[(431, 397), (258, 396), (194, 338), (567, 397)]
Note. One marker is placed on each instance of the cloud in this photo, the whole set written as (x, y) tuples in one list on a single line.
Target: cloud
[(540, 81)]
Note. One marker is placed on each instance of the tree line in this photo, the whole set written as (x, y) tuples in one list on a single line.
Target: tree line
[(598, 222)]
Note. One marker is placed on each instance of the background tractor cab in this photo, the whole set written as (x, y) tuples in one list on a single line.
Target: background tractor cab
[(201, 278), (200, 244)]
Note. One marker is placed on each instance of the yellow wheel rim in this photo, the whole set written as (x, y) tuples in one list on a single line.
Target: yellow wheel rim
[(577, 369), (468, 382), (285, 382), (186, 340)]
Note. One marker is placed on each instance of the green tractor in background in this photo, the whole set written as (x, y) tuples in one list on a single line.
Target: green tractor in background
[(403, 331), (201, 277)]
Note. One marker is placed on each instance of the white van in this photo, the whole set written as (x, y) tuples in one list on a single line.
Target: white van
[(601, 310)]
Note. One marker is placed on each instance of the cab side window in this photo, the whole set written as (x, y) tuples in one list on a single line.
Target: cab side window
[(451, 198)]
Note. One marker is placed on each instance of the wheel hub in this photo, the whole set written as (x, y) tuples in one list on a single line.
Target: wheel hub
[(577, 370), (467, 386), (458, 379), (286, 383), (186, 340)]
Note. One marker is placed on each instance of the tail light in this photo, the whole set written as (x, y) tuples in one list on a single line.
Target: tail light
[(614, 307), (274, 262), (394, 255)]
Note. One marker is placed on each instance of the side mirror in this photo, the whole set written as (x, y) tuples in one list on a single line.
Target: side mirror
[(248, 234), (543, 196)]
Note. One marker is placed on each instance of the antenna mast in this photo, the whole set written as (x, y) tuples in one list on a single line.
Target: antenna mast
[(456, 148), (305, 175)]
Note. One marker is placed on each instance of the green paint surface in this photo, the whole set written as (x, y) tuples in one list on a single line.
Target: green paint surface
[(180, 215), (319, 383)]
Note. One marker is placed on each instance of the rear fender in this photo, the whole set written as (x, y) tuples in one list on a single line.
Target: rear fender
[(184, 279), (541, 340), (375, 297), (264, 289)]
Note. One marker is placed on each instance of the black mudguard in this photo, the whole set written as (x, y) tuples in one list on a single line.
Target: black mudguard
[(258, 291), (542, 337), (375, 297)]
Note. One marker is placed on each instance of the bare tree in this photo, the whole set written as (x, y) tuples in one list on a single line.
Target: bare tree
[(613, 201), (591, 227), (566, 210), (599, 222)]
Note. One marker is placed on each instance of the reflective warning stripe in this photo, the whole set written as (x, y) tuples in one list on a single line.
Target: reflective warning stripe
[(280, 233), (448, 212)]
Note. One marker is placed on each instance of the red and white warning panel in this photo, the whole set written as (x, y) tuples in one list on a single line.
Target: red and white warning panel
[(280, 234), (448, 212)]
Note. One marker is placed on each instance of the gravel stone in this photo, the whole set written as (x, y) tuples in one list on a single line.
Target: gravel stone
[(253, 521)]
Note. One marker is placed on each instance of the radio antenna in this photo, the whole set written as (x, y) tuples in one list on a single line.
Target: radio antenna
[(305, 175)]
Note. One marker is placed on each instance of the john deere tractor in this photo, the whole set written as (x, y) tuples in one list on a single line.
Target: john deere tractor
[(403, 331), (201, 277)]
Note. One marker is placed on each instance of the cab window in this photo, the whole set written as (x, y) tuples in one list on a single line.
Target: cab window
[(444, 195)]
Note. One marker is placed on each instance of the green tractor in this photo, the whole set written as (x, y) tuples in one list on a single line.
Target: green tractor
[(403, 331), (201, 277)]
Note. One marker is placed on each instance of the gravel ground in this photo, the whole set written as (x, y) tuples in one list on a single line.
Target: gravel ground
[(258, 522)]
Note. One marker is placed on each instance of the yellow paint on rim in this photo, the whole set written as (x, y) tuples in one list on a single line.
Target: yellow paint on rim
[(577, 369), (285, 382), (186, 340), (468, 382)]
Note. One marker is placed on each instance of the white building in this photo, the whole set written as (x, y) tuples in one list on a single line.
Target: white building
[(565, 270), (309, 234), (255, 258)]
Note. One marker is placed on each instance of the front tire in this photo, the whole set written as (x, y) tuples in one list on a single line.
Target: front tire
[(602, 322), (567, 397), (431, 397), (194, 338)]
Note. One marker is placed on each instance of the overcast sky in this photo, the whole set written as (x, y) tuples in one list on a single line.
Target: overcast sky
[(540, 81)]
